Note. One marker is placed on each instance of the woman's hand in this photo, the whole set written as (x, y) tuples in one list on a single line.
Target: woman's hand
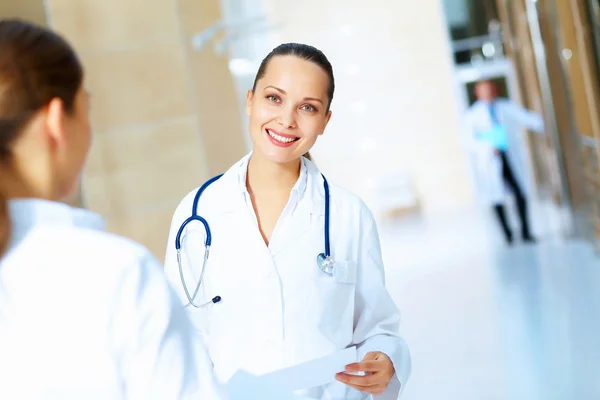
[(378, 369)]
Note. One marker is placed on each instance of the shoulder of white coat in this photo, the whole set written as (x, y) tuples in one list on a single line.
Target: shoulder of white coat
[(218, 187), (110, 245), (99, 256), (128, 261), (185, 205), (184, 208), (503, 102), (342, 200), (350, 204)]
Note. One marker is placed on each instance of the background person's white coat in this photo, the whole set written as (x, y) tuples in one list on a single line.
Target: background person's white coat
[(513, 117), (89, 315), (278, 308)]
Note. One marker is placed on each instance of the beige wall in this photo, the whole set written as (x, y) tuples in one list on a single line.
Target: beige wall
[(213, 89), (153, 141), (30, 10), (395, 109)]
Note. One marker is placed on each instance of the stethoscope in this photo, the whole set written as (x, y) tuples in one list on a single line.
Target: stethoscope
[(324, 260)]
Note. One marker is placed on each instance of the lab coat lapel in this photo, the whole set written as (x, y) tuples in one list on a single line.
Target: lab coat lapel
[(233, 213), (228, 199), (308, 216)]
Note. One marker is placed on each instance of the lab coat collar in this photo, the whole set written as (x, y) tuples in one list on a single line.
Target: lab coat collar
[(481, 104), (232, 186), (498, 101), (314, 196), (308, 213), (27, 214), (297, 190)]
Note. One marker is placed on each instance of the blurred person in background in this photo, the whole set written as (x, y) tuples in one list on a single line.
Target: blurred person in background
[(280, 305), (83, 314), (494, 129)]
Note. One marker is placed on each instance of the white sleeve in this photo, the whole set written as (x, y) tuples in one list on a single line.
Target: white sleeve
[(525, 118), (377, 322), (152, 339)]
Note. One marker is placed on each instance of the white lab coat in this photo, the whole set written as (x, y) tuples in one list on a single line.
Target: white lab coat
[(88, 315), (278, 309), (513, 117)]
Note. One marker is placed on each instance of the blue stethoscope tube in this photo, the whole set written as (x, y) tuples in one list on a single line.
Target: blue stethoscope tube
[(324, 260)]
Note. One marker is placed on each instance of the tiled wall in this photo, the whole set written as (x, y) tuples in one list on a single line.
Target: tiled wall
[(164, 118)]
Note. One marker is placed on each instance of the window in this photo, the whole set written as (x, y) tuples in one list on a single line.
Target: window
[(474, 30)]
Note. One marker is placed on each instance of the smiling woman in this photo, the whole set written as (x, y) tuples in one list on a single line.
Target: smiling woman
[(281, 299), (298, 96)]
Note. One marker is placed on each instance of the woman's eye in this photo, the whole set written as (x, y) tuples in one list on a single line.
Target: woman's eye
[(273, 98), (308, 108)]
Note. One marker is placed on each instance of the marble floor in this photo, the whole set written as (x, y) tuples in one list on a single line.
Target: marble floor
[(487, 322)]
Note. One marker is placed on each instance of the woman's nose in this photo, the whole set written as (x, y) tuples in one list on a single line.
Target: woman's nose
[(287, 118)]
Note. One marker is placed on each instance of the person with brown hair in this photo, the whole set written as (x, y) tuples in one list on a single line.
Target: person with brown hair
[(295, 271), (83, 313)]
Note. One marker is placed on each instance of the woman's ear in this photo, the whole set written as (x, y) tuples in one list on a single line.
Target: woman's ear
[(55, 122), (249, 100)]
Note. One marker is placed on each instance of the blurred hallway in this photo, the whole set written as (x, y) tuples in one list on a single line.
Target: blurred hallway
[(489, 322)]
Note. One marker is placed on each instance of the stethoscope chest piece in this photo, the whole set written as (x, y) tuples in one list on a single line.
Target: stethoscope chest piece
[(326, 263)]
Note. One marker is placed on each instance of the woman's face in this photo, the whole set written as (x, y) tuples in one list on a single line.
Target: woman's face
[(288, 110)]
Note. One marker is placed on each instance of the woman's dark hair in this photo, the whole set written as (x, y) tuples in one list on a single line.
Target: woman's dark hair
[(305, 52), (36, 66)]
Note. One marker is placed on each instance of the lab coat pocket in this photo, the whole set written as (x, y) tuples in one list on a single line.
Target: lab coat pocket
[(337, 302)]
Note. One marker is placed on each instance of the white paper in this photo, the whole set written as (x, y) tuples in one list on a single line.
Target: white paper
[(312, 373), (280, 385)]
